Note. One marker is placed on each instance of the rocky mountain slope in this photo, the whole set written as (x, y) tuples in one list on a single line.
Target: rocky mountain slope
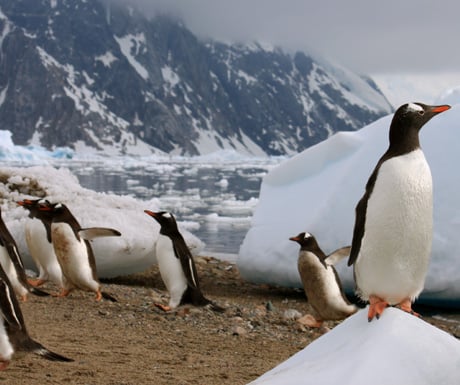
[(104, 78)]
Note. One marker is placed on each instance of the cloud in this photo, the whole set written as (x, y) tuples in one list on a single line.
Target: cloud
[(366, 36)]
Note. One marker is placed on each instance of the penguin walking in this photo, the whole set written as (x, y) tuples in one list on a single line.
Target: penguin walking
[(177, 268), (13, 333), (73, 250), (12, 264), (392, 234), (38, 239), (320, 280)]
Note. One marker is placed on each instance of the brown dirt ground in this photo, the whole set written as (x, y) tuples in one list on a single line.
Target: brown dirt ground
[(134, 342)]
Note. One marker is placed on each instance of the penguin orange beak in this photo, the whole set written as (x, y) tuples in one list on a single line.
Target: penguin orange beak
[(151, 213), (439, 109), (25, 202), (295, 239)]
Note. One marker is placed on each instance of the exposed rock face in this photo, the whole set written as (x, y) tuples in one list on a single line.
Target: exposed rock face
[(81, 74)]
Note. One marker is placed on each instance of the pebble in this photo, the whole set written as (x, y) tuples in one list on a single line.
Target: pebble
[(292, 314), (239, 331)]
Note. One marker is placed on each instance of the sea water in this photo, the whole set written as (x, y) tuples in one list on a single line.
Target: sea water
[(213, 198)]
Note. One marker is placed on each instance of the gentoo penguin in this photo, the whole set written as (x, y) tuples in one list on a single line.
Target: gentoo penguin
[(393, 226), (12, 264), (38, 238), (320, 280), (177, 268), (73, 250), (13, 333)]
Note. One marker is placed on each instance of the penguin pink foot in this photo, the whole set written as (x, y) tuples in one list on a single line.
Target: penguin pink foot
[(406, 306), (165, 308), (98, 295), (376, 307), (36, 282), (62, 293), (4, 364)]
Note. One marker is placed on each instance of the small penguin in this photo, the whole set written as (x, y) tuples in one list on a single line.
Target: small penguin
[(13, 333), (392, 234), (38, 238), (13, 266), (73, 250), (320, 280), (177, 268)]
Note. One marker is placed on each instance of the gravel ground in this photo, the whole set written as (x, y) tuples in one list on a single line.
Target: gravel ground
[(133, 342)]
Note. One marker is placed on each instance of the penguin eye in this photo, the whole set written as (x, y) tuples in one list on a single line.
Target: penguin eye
[(421, 112)]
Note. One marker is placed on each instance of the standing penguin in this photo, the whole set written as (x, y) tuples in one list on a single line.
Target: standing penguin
[(12, 264), (13, 333), (177, 268), (73, 250), (38, 238), (392, 235), (320, 280)]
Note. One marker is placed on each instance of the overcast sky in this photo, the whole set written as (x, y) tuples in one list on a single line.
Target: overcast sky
[(366, 36)]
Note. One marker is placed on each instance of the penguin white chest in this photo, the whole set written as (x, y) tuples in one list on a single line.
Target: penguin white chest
[(71, 253), (170, 269), (395, 249)]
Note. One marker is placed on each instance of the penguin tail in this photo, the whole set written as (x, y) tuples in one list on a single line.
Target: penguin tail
[(38, 292), (40, 350), (108, 297), (215, 307)]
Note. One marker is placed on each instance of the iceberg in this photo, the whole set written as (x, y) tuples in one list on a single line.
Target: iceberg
[(318, 189)]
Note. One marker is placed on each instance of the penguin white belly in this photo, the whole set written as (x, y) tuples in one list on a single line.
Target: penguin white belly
[(6, 349), (72, 255), (34, 231), (396, 246), (170, 270), (10, 271), (322, 289), (42, 252)]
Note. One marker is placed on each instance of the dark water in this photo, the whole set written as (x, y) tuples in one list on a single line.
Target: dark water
[(215, 200)]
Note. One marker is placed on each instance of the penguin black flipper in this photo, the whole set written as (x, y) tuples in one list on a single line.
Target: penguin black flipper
[(193, 293), (185, 257), (16, 259), (360, 216), (8, 305), (15, 325)]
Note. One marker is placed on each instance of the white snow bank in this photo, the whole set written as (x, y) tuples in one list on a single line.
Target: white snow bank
[(397, 349), (130, 253), (317, 191)]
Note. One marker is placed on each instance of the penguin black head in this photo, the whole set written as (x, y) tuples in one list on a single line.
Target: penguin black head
[(407, 122), (33, 205), (165, 219), (306, 241)]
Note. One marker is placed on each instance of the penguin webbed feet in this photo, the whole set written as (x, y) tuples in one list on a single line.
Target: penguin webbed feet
[(165, 308), (406, 305), (4, 364), (376, 307)]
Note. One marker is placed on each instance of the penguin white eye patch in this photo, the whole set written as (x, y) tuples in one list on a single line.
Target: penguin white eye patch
[(167, 215), (414, 107)]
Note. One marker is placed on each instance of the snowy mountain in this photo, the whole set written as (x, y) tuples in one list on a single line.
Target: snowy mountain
[(102, 78)]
